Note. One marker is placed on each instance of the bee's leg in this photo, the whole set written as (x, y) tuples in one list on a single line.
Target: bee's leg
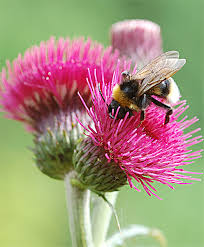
[(168, 113), (143, 103), (158, 103), (142, 115)]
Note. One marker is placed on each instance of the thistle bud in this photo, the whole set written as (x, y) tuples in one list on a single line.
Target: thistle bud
[(54, 147), (139, 40), (94, 170)]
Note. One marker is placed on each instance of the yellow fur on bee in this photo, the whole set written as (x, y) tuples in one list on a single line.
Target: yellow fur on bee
[(122, 99)]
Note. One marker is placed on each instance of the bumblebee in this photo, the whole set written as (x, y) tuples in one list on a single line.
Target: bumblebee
[(135, 92)]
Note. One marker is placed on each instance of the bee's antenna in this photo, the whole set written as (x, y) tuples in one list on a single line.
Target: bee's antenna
[(101, 94)]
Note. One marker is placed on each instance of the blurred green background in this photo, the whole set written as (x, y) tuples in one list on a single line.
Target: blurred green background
[(32, 207)]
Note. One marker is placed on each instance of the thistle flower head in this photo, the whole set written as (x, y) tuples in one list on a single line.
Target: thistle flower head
[(47, 78), (146, 153), (40, 90), (139, 40)]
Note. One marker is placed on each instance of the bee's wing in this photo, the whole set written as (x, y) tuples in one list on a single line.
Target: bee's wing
[(161, 68)]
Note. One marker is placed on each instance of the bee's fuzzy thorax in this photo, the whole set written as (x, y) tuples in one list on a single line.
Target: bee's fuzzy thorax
[(120, 97)]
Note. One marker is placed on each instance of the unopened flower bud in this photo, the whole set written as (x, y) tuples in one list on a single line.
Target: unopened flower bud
[(139, 40), (94, 170), (54, 147)]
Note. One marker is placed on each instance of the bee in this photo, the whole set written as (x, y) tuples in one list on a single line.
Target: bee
[(135, 92)]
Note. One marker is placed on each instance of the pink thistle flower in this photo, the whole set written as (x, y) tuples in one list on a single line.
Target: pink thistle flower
[(40, 90), (139, 40), (148, 152), (46, 80)]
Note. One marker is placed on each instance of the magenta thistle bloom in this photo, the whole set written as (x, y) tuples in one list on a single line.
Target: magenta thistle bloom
[(139, 40), (148, 152), (40, 90), (47, 78)]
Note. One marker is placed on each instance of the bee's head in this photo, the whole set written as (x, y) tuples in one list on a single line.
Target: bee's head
[(125, 76)]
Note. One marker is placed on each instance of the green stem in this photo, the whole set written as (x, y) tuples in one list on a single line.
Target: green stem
[(101, 217), (78, 204)]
